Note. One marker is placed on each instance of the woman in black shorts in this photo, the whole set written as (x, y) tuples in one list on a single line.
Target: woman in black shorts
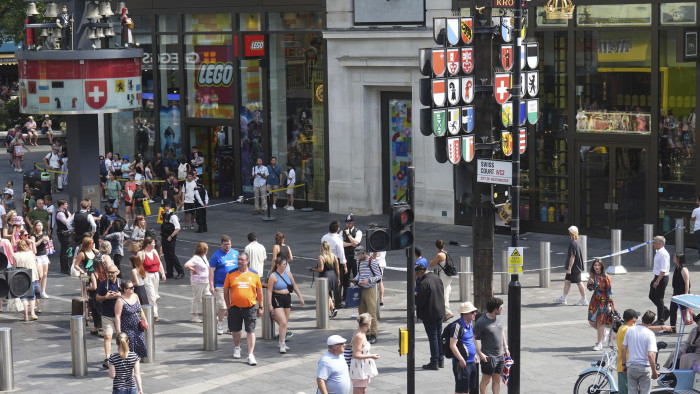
[(279, 290)]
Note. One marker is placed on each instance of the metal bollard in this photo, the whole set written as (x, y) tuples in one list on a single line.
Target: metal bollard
[(322, 313), (378, 307), (584, 251), (505, 275), (615, 246), (78, 346), (211, 341), (545, 263), (464, 278), (7, 372), (150, 335), (268, 325), (649, 248), (680, 244)]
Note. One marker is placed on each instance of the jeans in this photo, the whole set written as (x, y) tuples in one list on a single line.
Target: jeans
[(126, 391), (434, 330), (638, 379), (697, 240), (656, 295)]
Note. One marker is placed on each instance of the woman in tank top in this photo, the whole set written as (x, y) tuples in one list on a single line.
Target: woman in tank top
[(154, 272), (279, 290), (328, 267), (280, 250)]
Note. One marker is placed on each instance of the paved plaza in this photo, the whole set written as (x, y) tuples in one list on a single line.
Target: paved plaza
[(556, 340)]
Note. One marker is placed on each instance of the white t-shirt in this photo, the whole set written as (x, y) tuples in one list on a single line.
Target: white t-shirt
[(108, 164), (53, 160), (662, 262), (292, 178), (138, 178), (258, 173), (639, 341), (696, 215), (381, 259), (336, 243), (2, 212), (256, 256), (190, 187)]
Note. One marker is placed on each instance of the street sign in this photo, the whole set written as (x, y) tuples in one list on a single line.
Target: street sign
[(503, 3), (498, 172), (515, 260)]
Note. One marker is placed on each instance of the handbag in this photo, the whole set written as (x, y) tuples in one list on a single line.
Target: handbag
[(146, 208), (74, 272), (134, 247), (143, 324)]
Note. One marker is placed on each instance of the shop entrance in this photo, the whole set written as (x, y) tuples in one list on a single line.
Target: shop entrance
[(613, 188), (215, 143)]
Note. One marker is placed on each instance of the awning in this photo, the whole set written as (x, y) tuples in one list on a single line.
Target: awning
[(7, 59)]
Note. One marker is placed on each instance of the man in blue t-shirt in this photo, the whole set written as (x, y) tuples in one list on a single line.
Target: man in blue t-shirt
[(274, 179), (464, 365), (221, 263)]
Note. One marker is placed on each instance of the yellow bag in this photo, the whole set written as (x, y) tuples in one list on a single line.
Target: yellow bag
[(160, 215), (146, 208)]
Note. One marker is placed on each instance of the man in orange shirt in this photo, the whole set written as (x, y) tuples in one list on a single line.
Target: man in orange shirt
[(243, 295)]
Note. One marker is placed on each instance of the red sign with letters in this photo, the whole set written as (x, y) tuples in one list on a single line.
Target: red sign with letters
[(254, 45)]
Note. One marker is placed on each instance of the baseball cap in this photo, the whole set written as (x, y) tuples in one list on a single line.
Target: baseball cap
[(126, 157), (358, 251), (350, 218), (419, 268), (335, 340), (629, 314), (46, 116), (9, 191), (573, 229)]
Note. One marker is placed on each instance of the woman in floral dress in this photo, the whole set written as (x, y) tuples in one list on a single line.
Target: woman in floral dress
[(601, 307), (127, 315)]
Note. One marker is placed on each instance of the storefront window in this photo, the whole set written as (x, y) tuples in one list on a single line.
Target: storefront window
[(169, 93), (251, 120), (296, 97), (678, 13), (195, 23), (134, 131), (167, 23), (676, 133), (294, 20), (250, 21), (613, 81), (142, 24), (214, 143), (209, 64), (614, 15)]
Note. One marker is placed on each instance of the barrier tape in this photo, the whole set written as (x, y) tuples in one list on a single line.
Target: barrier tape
[(402, 269), (38, 166)]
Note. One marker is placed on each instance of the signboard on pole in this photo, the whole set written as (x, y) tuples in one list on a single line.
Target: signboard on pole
[(498, 172), (515, 260)]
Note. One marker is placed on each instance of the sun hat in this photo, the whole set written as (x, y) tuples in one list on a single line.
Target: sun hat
[(466, 307)]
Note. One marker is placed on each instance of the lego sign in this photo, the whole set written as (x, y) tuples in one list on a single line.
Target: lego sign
[(254, 45)]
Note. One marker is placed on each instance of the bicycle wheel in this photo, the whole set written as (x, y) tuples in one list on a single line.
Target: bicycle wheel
[(593, 382)]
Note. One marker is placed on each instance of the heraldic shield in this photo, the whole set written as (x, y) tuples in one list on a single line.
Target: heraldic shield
[(468, 148), (533, 111), (453, 126), (467, 89), (507, 114), (506, 28), (467, 60), (523, 140), (439, 62), (533, 55), (467, 119), (453, 31), (453, 61), (507, 143), (467, 30), (439, 94), (439, 30), (507, 56), (501, 87), (522, 112), (453, 91), (454, 153), (533, 83), (439, 122)]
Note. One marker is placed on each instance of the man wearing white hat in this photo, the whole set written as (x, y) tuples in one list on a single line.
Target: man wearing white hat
[(574, 267), (333, 375)]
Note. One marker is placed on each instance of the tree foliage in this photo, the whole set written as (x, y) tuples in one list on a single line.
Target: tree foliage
[(12, 16)]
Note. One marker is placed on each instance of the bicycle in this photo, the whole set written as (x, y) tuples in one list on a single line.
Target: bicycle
[(599, 378)]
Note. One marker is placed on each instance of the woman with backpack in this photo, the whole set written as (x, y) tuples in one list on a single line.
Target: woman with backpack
[(438, 264)]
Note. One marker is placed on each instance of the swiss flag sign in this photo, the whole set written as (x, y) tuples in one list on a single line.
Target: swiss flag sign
[(96, 94)]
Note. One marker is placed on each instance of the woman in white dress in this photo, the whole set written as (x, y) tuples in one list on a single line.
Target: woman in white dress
[(362, 366)]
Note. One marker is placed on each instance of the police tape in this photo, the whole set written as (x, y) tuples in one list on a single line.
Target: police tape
[(38, 166)]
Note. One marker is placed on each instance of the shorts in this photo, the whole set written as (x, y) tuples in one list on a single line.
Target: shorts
[(360, 382), (219, 296), (290, 191), (128, 204), (281, 300), (36, 285), (42, 260), (114, 202), (270, 189), (463, 377), (494, 365), (189, 206), (573, 277), (108, 325), (236, 317)]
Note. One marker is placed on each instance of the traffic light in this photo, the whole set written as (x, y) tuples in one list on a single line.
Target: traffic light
[(400, 223), (378, 239)]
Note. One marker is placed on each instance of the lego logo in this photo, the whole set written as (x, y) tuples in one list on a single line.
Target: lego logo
[(256, 45), (215, 74)]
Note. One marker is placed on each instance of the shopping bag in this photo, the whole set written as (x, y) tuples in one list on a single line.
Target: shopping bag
[(146, 208), (160, 215), (50, 248), (688, 317), (352, 297)]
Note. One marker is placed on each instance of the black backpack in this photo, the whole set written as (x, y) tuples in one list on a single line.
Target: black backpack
[(449, 268), (445, 340)]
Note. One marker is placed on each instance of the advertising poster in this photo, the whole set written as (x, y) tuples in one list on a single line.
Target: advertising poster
[(400, 146)]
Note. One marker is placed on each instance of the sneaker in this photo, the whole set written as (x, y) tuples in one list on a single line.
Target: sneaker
[(697, 262), (37, 310), (291, 208), (105, 364), (598, 346), (274, 206), (288, 336), (197, 320), (220, 330), (334, 313), (251, 359), (283, 348), (237, 352), (560, 300), (44, 295), (581, 302)]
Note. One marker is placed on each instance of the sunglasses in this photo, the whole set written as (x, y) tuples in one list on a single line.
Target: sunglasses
[(112, 272), (129, 288)]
